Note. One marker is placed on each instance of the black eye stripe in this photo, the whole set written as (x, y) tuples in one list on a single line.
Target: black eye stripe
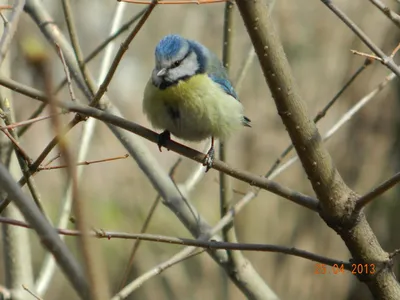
[(178, 62)]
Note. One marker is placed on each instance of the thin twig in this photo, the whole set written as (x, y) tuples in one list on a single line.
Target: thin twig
[(321, 114), (386, 60), (48, 268), (194, 178), (24, 123), (69, 19), (10, 28), (68, 76), (199, 243), (52, 159), (145, 225), (46, 233), (370, 56), (79, 206), (182, 255), (395, 18), (244, 69), (124, 47), (17, 146), (395, 51), (377, 191), (251, 54), (84, 163), (24, 163), (35, 114), (343, 120), (30, 292)]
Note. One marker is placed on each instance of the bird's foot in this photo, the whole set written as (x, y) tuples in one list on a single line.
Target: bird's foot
[(163, 138), (209, 159)]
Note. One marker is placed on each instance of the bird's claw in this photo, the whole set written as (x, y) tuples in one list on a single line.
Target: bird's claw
[(163, 138), (209, 159)]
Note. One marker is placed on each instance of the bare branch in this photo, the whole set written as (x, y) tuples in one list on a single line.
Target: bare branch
[(145, 225), (254, 180), (379, 190), (182, 255), (198, 243), (32, 293), (386, 60), (10, 28), (84, 163), (336, 198), (395, 18), (48, 236), (120, 53)]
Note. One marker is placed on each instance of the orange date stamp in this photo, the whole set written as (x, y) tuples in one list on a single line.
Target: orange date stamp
[(356, 269)]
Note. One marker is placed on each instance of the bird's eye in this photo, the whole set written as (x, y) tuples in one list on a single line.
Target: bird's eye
[(176, 63)]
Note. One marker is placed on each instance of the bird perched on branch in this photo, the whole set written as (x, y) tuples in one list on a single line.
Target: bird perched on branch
[(189, 95)]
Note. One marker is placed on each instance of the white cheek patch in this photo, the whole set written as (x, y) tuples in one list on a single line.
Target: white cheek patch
[(187, 68)]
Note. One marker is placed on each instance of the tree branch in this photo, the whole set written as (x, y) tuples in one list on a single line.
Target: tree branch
[(336, 199), (48, 236)]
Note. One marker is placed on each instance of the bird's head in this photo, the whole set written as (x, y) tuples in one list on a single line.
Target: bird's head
[(177, 59)]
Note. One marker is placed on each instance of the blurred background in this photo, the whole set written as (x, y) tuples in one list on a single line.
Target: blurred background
[(365, 150)]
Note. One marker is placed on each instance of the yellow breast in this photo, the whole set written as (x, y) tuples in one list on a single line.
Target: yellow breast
[(204, 109)]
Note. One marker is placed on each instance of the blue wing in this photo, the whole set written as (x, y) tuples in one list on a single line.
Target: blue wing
[(212, 65), (224, 84)]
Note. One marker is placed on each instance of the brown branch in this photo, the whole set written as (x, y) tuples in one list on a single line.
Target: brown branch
[(24, 162), (17, 146), (52, 160), (182, 255), (395, 18), (10, 27), (321, 113), (102, 234), (80, 207), (370, 56), (67, 75), (124, 47), (32, 293), (23, 123), (145, 225), (379, 190), (46, 233), (394, 52), (248, 177), (337, 200), (75, 45), (84, 163), (150, 135), (386, 60)]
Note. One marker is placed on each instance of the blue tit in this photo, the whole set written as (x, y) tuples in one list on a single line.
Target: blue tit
[(189, 95)]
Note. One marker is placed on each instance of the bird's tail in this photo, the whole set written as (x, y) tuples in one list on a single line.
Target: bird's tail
[(246, 122)]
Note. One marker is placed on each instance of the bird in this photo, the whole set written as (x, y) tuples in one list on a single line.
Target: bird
[(190, 96)]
